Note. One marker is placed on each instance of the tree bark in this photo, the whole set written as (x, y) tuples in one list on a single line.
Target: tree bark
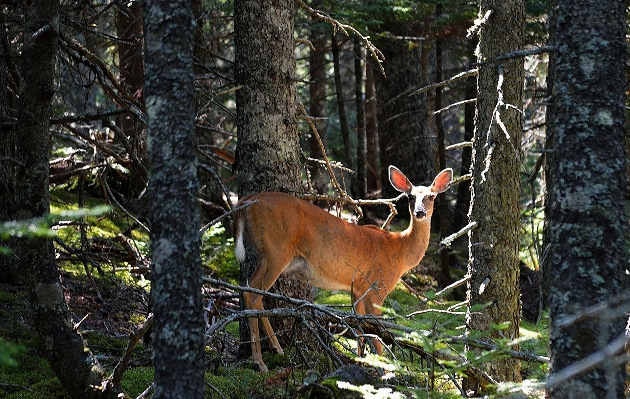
[(359, 97), (268, 150), (131, 67), (317, 104), (371, 131), (77, 370), (172, 195), (493, 245), (586, 228)]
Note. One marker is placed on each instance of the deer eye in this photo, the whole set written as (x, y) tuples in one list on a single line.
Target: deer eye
[(431, 197)]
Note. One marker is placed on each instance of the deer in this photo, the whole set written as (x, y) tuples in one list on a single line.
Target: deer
[(283, 234)]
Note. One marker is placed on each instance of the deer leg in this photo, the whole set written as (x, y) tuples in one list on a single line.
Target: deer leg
[(263, 278), (368, 304), (254, 302)]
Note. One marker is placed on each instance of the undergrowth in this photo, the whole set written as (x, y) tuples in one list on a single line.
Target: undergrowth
[(108, 298)]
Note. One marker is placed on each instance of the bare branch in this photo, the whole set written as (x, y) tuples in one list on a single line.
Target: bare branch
[(446, 82)]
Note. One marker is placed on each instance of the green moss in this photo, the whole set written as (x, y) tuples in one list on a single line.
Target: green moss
[(136, 380)]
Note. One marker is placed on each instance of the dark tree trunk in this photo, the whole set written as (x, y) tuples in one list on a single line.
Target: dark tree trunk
[(343, 117), (462, 206), (586, 226), (77, 370), (131, 67), (268, 151), (493, 245), (317, 104), (359, 96), (371, 132), (403, 119), (442, 205), (172, 194)]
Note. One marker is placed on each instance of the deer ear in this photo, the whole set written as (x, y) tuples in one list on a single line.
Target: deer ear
[(398, 180), (442, 180)]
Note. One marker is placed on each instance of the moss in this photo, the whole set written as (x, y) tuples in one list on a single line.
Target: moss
[(136, 380)]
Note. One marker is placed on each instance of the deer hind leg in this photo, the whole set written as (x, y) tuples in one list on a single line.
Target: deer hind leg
[(262, 279)]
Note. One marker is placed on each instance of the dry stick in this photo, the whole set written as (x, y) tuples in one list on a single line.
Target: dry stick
[(463, 102), (113, 198), (446, 82), (617, 307), (376, 53), (226, 214), (342, 318), (518, 54), (590, 362), (459, 145), (116, 376), (447, 241)]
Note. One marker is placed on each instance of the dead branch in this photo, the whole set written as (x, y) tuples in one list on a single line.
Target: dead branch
[(375, 52), (590, 362), (517, 54), (116, 376), (446, 82), (447, 241), (349, 320)]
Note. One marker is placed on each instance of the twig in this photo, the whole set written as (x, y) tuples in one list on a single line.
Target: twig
[(472, 100), (447, 241), (614, 308), (87, 116), (226, 214), (517, 54), (446, 82), (375, 52), (113, 198), (459, 145), (452, 286), (146, 392), (588, 363), (116, 376)]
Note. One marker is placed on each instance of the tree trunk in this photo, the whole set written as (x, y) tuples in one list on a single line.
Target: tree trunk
[(77, 370), (268, 151), (496, 157), (403, 119), (131, 67), (463, 189), (172, 195), (442, 205), (586, 226), (317, 104), (371, 132), (359, 97), (343, 118)]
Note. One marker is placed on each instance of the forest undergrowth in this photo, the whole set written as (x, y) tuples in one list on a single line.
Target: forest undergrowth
[(104, 269)]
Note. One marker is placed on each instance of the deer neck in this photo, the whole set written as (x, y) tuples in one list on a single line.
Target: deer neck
[(415, 240)]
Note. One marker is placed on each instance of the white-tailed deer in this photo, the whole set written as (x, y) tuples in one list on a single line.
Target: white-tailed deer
[(284, 234)]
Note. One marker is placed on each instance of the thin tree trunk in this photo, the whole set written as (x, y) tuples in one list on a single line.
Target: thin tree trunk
[(341, 107), (75, 367), (463, 189), (586, 224), (494, 243), (172, 195), (317, 104), (445, 278), (371, 132), (361, 190)]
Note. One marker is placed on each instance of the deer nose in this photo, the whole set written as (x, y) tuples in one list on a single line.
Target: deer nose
[(419, 213)]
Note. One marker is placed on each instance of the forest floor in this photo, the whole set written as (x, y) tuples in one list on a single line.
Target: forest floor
[(106, 308)]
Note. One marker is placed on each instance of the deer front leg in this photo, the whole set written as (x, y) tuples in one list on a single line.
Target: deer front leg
[(368, 304)]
